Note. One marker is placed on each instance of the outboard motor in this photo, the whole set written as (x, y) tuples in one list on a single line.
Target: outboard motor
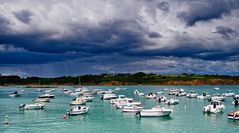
[(101, 97), (22, 106), (236, 102)]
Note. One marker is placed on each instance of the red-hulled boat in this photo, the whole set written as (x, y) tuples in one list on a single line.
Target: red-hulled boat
[(233, 115)]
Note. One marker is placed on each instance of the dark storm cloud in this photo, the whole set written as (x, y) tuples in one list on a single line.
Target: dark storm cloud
[(207, 10), (107, 38), (154, 35), (4, 25), (117, 36), (225, 32), (163, 6), (23, 15)]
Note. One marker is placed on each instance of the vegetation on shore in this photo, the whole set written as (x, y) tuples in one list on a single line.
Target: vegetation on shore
[(139, 78)]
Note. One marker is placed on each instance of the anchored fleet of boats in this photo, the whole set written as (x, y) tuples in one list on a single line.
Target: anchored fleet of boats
[(128, 105)]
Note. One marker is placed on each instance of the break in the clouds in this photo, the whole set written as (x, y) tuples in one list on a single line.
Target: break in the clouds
[(57, 37)]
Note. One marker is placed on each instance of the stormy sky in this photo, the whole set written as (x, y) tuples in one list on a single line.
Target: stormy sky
[(73, 37)]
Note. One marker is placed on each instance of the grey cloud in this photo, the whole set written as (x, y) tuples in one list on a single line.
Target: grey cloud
[(23, 15), (163, 6)]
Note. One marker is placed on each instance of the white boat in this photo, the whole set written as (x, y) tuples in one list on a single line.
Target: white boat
[(78, 110), (192, 94), (132, 109), (127, 102), (216, 88), (161, 99), (14, 94), (151, 96), (233, 115), (47, 96), (118, 99), (108, 96), (31, 106), (236, 96), (214, 107), (204, 96), (141, 94), (155, 112), (217, 97), (228, 93), (77, 101), (87, 98), (42, 100), (172, 102), (136, 92), (117, 89), (181, 94)]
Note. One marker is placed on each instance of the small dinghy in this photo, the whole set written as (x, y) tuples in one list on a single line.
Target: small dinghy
[(151, 96), (42, 100), (47, 96), (172, 102), (233, 115), (14, 94), (78, 110), (161, 99), (34, 106), (156, 111)]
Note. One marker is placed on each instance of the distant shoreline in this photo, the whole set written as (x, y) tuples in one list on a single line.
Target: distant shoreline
[(121, 79)]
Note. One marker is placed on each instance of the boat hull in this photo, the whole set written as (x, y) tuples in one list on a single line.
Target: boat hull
[(145, 113)]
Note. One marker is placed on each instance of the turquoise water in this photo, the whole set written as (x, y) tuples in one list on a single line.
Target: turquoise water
[(103, 118)]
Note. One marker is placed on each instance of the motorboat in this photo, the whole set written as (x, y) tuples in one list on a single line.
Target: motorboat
[(47, 96), (181, 94), (172, 102), (118, 99), (214, 107), (108, 96), (78, 101), (228, 93), (100, 91), (127, 102), (14, 94), (235, 101), (192, 94), (156, 111), (204, 96), (141, 94), (34, 106), (78, 110), (132, 109), (161, 99), (236, 96), (151, 96), (216, 97), (233, 115), (117, 89), (66, 91), (87, 98), (216, 88), (42, 100), (136, 92)]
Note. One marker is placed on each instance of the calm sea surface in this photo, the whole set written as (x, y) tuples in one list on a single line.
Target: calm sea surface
[(103, 118)]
